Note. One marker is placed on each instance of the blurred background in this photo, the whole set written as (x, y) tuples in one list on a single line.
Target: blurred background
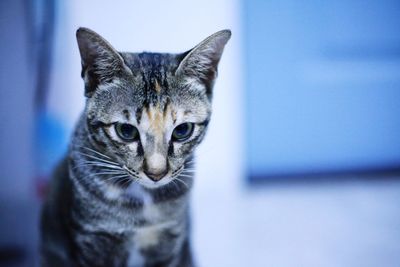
[(301, 165)]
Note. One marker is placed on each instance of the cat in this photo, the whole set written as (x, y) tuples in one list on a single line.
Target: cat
[(121, 195)]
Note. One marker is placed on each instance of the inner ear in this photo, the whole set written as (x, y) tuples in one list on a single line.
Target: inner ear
[(100, 61), (202, 61)]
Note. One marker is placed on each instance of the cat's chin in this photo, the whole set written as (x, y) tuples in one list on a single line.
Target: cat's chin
[(150, 184)]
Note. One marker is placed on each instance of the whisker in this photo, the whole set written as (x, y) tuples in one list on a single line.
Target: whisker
[(126, 182), (97, 158), (97, 173), (131, 172), (109, 172), (135, 180), (179, 180), (188, 165), (116, 177), (188, 171), (120, 180), (99, 164), (97, 152), (176, 184), (185, 175)]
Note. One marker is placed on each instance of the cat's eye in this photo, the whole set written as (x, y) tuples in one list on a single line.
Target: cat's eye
[(183, 131), (127, 132)]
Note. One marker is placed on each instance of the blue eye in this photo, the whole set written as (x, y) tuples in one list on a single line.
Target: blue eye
[(183, 131), (127, 132)]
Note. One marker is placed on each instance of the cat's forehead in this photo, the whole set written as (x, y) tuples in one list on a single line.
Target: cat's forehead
[(154, 82), (149, 99), (155, 110), (152, 65)]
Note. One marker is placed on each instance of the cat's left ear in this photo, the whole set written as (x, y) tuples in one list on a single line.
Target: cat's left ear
[(101, 63), (201, 63)]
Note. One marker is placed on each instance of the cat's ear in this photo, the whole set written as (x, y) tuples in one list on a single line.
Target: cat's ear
[(100, 61), (201, 62)]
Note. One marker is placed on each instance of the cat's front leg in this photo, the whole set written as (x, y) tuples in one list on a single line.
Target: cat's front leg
[(99, 249)]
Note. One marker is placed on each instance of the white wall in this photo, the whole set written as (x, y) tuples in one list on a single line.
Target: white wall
[(170, 26)]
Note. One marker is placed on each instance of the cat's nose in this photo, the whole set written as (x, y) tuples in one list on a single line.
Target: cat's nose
[(156, 176), (155, 167)]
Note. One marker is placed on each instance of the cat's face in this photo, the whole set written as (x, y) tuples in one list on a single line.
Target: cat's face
[(148, 111), (149, 128)]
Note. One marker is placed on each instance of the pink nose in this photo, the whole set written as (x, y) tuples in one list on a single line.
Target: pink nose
[(156, 176)]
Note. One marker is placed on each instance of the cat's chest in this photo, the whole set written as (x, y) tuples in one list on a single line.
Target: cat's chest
[(157, 236), (157, 224), (157, 240)]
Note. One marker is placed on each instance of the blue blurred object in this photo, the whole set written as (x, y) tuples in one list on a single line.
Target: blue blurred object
[(51, 143), (50, 134), (322, 85)]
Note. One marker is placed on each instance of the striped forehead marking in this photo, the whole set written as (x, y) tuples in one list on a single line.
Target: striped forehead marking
[(157, 118), (166, 107), (138, 114), (157, 86), (157, 112), (157, 121), (126, 114), (173, 115)]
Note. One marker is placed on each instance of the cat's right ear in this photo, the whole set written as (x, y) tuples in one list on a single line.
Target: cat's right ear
[(100, 61)]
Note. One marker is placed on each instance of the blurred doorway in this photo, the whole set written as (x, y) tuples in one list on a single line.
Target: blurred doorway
[(323, 86)]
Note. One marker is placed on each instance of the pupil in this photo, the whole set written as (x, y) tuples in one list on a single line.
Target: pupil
[(127, 130), (182, 129)]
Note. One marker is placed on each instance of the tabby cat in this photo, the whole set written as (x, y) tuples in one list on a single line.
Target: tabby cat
[(121, 196)]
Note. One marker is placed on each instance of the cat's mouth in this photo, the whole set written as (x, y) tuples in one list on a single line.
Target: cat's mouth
[(148, 181)]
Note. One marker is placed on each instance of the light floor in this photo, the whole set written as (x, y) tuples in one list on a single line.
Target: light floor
[(341, 223)]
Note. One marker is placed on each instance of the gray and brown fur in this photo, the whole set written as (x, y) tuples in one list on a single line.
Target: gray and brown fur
[(102, 208)]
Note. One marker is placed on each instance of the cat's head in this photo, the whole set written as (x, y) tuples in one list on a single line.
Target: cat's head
[(148, 111)]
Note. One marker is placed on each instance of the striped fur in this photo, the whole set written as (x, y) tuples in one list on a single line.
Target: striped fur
[(103, 209)]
